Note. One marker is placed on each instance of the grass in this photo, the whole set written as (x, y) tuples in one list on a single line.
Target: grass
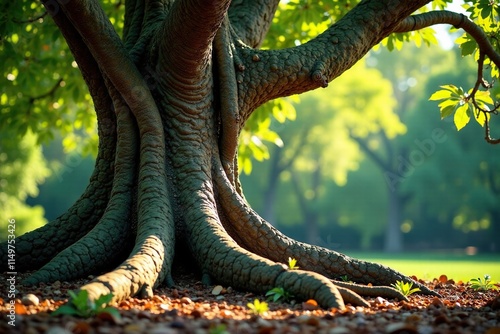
[(426, 265)]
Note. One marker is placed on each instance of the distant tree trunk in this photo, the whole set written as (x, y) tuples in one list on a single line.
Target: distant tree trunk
[(307, 203), (269, 211), (393, 242)]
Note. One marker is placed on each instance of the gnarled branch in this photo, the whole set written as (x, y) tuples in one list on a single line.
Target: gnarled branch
[(420, 21), (278, 73)]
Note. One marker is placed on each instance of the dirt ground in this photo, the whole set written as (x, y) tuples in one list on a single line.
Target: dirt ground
[(192, 307)]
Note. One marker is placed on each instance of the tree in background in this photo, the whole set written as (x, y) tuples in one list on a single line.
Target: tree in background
[(318, 147), (22, 167), (171, 96)]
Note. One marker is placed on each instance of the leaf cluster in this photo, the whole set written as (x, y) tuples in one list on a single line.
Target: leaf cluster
[(483, 284), (484, 13), (81, 306), (258, 307), (457, 102), (277, 294), (292, 264), (406, 288)]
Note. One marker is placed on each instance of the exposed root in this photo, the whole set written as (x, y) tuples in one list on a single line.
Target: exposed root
[(139, 274), (371, 291), (258, 236), (351, 297), (221, 258), (228, 89), (36, 248), (105, 241)]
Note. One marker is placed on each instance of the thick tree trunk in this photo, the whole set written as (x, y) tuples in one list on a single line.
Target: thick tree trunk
[(171, 97)]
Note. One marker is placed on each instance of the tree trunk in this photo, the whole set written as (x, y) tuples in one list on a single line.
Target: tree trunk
[(171, 98), (269, 211), (393, 242)]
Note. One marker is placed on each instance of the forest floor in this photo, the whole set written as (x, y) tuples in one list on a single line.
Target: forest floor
[(192, 307)]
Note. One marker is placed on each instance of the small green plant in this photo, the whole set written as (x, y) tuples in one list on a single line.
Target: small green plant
[(81, 306), (277, 294), (344, 278), (483, 285), (405, 288), (292, 264), (258, 307)]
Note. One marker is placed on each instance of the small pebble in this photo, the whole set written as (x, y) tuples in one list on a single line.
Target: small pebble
[(30, 300)]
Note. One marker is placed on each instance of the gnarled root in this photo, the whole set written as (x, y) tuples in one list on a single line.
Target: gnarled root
[(258, 236)]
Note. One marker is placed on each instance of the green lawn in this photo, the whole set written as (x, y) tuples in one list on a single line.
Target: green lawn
[(457, 266)]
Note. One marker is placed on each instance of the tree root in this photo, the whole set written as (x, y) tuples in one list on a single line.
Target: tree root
[(98, 248), (36, 248), (221, 258), (256, 235), (371, 291)]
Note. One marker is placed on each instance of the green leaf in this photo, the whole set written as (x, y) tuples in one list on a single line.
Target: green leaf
[(447, 110), (461, 117), (292, 263), (484, 97), (481, 118), (82, 302), (468, 47), (103, 300), (440, 95)]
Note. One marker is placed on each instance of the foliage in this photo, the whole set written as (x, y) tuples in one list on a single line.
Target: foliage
[(22, 168), (345, 278), (258, 307), (258, 130), (485, 14), (405, 288), (277, 294), (81, 306), (457, 101), (292, 264), (483, 284)]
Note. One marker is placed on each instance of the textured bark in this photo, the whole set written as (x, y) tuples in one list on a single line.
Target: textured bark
[(171, 98)]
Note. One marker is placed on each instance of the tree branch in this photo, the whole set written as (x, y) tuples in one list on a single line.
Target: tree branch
[(420, 21), (251, 19), (109, 53), (277, 73), (187, 35)]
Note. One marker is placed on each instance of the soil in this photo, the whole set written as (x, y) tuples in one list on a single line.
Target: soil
[(192, 307)]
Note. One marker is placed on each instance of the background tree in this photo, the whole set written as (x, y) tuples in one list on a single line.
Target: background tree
[(318, 147), (172, 95)]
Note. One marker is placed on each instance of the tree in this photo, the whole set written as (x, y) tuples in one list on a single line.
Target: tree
[(22, 167), (171, 96)]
